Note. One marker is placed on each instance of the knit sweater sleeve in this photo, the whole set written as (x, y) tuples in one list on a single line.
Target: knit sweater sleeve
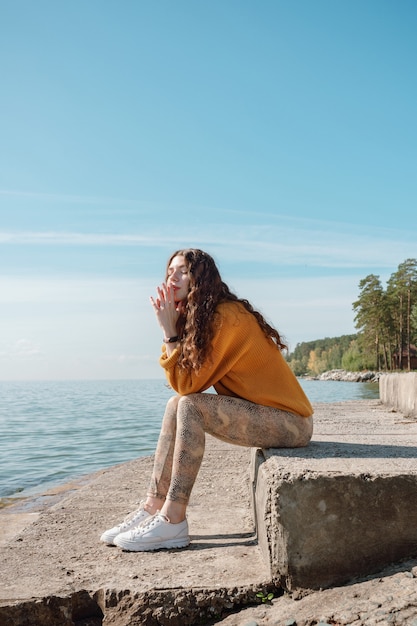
[(224, 355), (244, 363)]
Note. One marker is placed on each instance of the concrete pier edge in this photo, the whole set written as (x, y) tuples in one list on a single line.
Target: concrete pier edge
[(399, 391)]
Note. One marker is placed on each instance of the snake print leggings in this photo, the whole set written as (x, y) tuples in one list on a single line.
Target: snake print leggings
[(180, 447), (181, 441)]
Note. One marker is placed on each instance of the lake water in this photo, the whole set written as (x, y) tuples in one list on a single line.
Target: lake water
[(52, 432)]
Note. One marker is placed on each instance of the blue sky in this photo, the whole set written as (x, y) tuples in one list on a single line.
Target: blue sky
[(281, 137)]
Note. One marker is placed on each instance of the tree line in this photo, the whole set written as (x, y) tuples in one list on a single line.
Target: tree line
[(386, 320)]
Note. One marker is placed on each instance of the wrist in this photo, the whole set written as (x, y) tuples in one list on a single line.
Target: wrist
[(172, 339)]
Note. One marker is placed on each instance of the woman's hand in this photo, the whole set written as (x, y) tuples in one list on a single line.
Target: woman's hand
[(166, 309)]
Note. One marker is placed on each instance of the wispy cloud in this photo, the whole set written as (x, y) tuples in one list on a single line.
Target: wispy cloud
[(77, 239), (22, 349), (281, 242), (71, 291), (56, 197)]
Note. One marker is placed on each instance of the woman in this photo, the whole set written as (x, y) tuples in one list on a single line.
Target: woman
[(211, 338)]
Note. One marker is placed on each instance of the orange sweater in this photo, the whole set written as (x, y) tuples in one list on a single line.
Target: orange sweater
[(244, 364)]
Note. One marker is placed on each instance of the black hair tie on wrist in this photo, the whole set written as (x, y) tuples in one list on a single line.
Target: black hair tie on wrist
[(171, 339)]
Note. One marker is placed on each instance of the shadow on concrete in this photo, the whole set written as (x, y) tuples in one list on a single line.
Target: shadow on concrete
[(399, 567), (206, 542)]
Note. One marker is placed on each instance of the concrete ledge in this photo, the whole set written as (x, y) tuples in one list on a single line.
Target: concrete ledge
[(399, 391), (325, 513), (55, 571), (344, 506)]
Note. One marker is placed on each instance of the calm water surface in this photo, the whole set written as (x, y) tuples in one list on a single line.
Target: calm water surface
[(52, 432)]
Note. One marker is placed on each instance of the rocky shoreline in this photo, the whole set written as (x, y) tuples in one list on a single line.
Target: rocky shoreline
[(349, 377)]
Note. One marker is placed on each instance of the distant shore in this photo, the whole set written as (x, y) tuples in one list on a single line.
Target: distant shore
[(346, 376)]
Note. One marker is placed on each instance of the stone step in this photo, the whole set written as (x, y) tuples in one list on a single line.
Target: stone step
[(344, 506)]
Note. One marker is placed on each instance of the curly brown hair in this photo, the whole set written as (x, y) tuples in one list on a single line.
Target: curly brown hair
[(196, 324)]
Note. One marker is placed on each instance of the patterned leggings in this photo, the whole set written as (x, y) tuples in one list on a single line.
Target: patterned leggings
[(180, 447)]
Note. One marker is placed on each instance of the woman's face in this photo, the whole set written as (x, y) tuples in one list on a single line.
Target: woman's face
[(178, 278)]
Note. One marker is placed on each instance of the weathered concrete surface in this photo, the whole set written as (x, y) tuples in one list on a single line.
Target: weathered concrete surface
[(53, 569), (53, 565), (343, 507), (389, 599), (400, 392)]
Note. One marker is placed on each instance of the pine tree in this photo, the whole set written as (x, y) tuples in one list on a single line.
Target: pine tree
[(371, 313), (402, 296)]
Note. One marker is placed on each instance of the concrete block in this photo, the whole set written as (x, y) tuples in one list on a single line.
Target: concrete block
[(399, 391), (342, 508)]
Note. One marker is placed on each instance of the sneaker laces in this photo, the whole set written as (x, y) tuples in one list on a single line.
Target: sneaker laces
[(132, 516), (150, 522)]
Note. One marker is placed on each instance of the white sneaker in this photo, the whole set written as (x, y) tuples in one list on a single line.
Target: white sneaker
[(131, 521), (154, 534)]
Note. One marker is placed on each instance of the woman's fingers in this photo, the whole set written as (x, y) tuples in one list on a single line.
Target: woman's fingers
[(165, 300), (166, 294), (155, 303)]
